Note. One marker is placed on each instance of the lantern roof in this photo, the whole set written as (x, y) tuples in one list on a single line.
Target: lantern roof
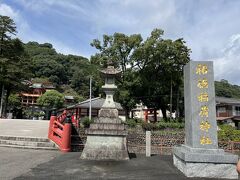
[(110, 70)]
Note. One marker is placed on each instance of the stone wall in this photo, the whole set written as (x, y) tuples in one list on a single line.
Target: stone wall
[(162, 143)]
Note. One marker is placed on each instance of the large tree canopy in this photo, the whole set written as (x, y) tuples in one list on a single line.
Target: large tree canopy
[(160, 64), (151, 69), (117, 48)]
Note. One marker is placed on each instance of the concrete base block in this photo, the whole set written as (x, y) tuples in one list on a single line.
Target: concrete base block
[(108, 113), (207, 170), (105, 148), (209, 163)]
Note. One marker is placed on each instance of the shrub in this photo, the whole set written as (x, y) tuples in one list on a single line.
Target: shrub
[(149, 126), (86, 122), (131, 123), (174, 125), (235, 135), (226, 127), (228, 133), (139, 121)]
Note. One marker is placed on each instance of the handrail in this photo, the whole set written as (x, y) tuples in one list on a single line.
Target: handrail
[(60, 133), (62, 116), (59, 124)]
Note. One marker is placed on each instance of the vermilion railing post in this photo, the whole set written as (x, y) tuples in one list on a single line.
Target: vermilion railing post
[(66, 136), (52, 119)]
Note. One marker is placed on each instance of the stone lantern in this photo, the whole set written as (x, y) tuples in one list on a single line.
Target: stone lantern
[(106, 137), (109, 74)]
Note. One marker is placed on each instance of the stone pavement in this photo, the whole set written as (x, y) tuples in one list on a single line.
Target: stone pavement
[(70, 166), (15, 162), (26, 128)]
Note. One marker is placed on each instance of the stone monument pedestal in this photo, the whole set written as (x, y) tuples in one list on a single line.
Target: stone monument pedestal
[(106, 138), (201, 162), (200, 156)]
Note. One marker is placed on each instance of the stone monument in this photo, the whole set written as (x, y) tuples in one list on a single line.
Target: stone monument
[(106, 137), (200, 156)]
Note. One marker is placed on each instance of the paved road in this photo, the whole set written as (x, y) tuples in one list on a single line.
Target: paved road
[(15, 162), (21, 164), (26, 128)]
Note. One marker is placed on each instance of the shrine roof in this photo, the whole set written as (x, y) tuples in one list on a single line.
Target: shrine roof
[(96, 104)]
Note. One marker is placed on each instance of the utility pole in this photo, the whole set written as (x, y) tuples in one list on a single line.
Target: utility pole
[(90, 99), (2, 99), (171, 100)]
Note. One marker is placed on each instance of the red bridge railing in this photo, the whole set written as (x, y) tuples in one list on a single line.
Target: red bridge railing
[(60, 128)]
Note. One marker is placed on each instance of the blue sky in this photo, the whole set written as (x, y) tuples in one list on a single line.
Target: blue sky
[(211, 28)]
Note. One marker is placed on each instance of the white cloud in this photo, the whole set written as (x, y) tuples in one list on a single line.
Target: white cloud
[(227, 67), (6, 10), (26, 33), (130, 16)]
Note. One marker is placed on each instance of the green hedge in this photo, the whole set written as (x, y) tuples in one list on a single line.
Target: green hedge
[(132, 123), (162, 125), (149, 126), (86, 122), (228, 133)]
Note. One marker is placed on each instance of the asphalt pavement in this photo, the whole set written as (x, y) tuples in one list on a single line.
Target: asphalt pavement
[(15, 162), (20, 164)]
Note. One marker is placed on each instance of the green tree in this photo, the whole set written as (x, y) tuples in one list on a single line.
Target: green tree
[(51, 99), (160, 62), (7, 28), (14, 104), (119, 49), (12, 56)]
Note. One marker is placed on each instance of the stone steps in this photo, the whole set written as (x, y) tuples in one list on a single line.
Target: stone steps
[(27, 142), (77, 143), (21, 138)]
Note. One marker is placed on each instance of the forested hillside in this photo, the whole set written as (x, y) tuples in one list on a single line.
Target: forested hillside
[(69, 73), (224, 89)]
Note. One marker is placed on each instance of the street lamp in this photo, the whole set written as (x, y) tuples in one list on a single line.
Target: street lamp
[(90, 99)]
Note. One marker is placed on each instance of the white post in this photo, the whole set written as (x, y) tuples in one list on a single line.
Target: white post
[(148, 143), (90, 99)]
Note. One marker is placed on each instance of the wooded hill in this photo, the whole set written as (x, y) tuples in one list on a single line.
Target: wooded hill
[(68, 73), (224, 89)]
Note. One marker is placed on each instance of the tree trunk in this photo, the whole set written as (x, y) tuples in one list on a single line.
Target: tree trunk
[(5, 107), (177, 108), (127, 113), (164, 112), (2, 98)]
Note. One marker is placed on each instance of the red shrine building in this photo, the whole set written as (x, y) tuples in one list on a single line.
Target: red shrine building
[(29, 98)]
